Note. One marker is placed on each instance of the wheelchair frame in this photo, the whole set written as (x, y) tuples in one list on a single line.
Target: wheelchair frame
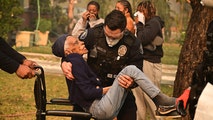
[(41, 101)]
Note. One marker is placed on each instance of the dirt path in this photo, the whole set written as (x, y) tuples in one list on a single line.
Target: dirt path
[(51, 64)]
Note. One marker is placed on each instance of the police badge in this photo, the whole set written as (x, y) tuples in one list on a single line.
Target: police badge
[(122, 50)]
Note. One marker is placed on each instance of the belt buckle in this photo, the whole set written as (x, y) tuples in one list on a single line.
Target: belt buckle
[(110, 75)]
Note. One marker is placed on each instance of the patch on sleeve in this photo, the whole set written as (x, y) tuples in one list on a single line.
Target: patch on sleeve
[(83, 35), (141, 49)]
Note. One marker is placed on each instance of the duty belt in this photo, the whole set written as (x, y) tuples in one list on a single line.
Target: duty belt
[(109, 75)]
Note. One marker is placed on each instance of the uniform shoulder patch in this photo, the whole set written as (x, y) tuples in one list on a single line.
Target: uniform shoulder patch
[(84, 34)]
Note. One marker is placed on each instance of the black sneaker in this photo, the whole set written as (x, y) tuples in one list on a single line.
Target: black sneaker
[(165, 110), (171, 115)]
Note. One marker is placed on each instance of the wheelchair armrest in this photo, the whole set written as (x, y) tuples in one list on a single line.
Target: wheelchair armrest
[(68, 113), (60, 101)]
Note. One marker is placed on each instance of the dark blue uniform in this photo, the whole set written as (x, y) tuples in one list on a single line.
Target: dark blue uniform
[(107, 61)]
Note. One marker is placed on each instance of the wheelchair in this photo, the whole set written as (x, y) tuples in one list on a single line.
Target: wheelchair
[(41, 101)]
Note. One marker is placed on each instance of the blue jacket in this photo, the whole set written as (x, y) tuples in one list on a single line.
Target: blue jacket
[(86, 87)]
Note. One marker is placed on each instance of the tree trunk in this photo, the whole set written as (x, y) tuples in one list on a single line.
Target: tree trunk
[(194, 44)]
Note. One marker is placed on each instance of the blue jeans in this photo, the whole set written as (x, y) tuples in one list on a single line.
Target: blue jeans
[(110, 104)]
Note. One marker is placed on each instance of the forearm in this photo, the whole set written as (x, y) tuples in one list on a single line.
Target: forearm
[(7, 64), (10, 52), (79, 27)]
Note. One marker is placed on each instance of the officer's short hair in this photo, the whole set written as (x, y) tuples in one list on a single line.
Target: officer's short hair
[(115, 20)]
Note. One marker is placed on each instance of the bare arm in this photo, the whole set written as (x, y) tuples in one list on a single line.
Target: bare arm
[(70, 9)]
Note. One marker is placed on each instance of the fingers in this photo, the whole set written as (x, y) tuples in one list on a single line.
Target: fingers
[(121, 83), (128, 80), (67, 70), (85, 15), (30, 63), (29, 76), (25, 72), (92, 15), (125, 81), (88, 16), (69, 76)]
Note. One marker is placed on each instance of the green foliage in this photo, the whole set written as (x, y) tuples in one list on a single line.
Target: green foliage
[(17, 96), (60, 20), (9, 20), (44, 25), (171, 53), (164, 11), (44, 6), (180, 39)]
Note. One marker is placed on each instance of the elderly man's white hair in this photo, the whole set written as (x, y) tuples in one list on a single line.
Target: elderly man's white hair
[(68, 42)]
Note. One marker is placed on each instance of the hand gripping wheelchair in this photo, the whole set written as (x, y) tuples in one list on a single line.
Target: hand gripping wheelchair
[(41, 101)]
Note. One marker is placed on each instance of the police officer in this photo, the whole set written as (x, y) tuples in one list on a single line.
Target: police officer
[(112, 47)]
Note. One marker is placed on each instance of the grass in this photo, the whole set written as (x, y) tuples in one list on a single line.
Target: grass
[(36, 49), (171, 52), (17, 99)]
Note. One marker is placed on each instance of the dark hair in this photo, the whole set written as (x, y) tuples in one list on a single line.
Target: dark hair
[(127, 5), (139, 7), (115, 20), (149, 6), (94, 3)]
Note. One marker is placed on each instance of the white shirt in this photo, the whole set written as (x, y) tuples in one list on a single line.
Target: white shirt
[(80, 26)]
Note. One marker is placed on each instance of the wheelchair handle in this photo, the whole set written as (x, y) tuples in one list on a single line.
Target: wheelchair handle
[(39, 68)]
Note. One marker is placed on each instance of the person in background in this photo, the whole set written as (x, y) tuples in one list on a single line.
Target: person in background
[(89, 18), (125, 7), (149, 32), (13, 62), (138, 16), (105, 102)]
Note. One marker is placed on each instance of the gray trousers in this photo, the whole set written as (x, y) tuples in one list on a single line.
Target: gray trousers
[(144, 104), (110, 104)]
